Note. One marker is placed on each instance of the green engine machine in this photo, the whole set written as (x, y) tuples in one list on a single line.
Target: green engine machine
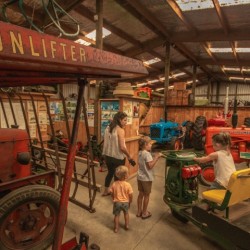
[(181, 183)]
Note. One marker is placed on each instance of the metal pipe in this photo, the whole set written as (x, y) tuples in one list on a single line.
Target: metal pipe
[(55, 144), (12, 110), (226, 103), (62, 216), (166, 82), (4, 113)]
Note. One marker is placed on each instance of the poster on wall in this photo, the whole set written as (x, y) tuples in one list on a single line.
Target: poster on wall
[(128, 109), (108, 110), (56, 110), (136, 109), (91, 114)]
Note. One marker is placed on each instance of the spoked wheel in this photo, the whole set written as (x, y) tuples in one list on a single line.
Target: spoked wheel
[(28, 218), (206, 176), (176, 144)]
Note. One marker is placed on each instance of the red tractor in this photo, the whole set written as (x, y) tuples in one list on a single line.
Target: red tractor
[(240, 148), (27, 215)]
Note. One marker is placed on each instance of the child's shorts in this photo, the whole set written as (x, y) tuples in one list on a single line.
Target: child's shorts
[(144, 186), (120, 206)]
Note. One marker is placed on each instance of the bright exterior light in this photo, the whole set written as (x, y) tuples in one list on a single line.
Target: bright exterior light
[(224, 3), (188, 5), (151, 61), (221, 50), (81, 41), (92, 34)]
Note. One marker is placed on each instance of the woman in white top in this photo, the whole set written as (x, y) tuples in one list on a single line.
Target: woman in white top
[(222, 160), (114, 147)]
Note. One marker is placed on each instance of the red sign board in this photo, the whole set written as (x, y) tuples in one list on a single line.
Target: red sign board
[(25, 49)]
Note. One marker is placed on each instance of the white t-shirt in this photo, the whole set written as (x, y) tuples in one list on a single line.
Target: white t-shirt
[(144, 174), (111, 145), (223, 167)]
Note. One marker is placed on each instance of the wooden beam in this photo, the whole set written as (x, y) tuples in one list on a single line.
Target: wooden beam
[(210, 35), (225, 62), (138, 11), (175, 7), (221, 16), (82, 10)]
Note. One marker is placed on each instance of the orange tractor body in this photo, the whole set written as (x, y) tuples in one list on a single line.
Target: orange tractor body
[(240, 140)]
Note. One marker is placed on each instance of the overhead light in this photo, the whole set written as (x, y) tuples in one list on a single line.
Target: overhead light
[(83, 42), (159, 89), (92, 34), (141, 84), (236, 78), (191, 81), (151, 61), (221, 50), (163, 78), (153, 81), (242, 50), (178, 74), (246, 69), (231, 68)]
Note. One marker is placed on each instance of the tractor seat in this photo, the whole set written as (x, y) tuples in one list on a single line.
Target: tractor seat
[(237, 191), (215, 195)]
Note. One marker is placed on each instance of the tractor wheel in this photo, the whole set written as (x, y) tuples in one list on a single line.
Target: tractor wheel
[(175, 143), (28, 218), (247, 122), (178, 216), (206, 176), (188, 135), (198, 130)]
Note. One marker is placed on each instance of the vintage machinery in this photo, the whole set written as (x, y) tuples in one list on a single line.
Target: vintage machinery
[(167, 132), (181, 179), (34, 218), (182, 192)]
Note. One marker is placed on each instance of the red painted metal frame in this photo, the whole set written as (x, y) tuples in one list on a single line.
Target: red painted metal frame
[(32, 51), (28, 57)]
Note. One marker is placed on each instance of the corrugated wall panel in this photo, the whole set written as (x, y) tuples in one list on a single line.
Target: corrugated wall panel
[(243, 92), (69, 89)]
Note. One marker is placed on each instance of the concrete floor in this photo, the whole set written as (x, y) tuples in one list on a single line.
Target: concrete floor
[(161, 231)]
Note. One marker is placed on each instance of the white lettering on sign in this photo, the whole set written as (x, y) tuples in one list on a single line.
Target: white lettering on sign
[(33, 53), (16, 43)]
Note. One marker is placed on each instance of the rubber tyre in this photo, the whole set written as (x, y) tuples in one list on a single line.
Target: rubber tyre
[(178, 216), (12, 204), (206, 177), (188, 135), (175, 144), (197, 137), (247, 122)]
